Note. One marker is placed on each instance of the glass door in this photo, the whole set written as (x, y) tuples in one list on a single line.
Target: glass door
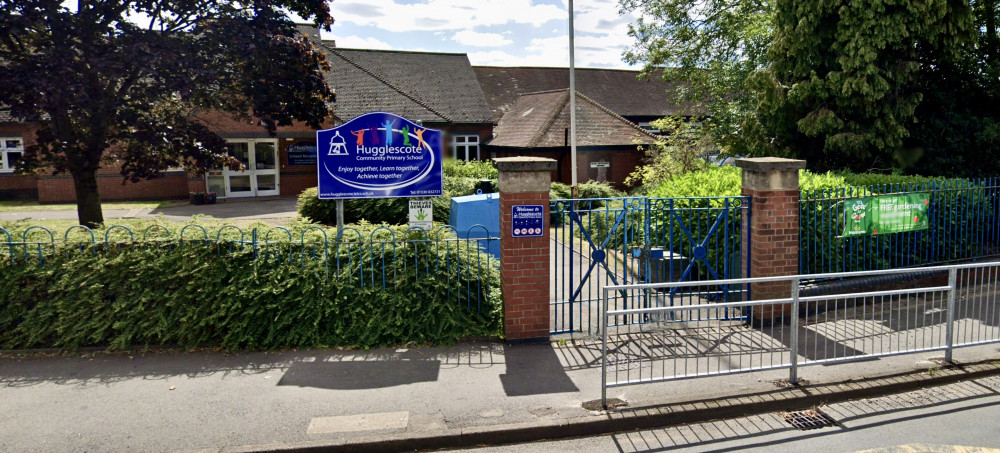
[(259, 176), (265, 168), (239, 183)]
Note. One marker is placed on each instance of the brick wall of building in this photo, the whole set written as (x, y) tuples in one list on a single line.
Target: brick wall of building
[(18, 187), (294, 179), (59, 188)]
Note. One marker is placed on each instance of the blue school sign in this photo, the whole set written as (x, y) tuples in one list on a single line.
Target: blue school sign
[(379, 155)]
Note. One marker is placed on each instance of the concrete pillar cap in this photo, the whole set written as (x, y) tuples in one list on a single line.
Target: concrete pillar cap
[(770, 164), (525, 163)]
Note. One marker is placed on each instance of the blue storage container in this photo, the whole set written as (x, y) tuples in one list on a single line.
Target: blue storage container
[(478, 216)]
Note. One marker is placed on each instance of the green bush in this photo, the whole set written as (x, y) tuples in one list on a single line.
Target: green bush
[(688, 195), (458, 179), (963, 224), (192, 297)]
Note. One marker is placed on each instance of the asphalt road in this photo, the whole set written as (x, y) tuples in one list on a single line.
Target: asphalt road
[(950, 418)]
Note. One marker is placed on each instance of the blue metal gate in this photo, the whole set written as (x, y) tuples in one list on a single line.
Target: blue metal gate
[(614, 241)]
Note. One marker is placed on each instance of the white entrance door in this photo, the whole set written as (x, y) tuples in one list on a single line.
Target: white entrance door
[(259, 177)]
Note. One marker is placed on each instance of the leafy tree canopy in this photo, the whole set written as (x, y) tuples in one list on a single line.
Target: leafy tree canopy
[(709, 45), (840, 90), (122, 81)]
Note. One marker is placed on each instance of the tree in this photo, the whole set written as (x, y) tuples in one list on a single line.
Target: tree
[(708, 47), (116, 81), (841, 90), (682, 148), (958, 131)]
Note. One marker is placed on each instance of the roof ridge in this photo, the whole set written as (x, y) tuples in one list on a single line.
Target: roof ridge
[(425, 52), (552, 119), (387, 83), (563, 68), (616, 116), (542, 92)]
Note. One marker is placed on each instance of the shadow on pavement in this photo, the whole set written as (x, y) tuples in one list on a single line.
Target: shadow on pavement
[(360, 374), (753, 432), (534, 369), (322, 368)]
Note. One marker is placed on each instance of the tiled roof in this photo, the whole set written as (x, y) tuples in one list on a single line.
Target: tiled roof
[(541, 120), (431, 87), (618, 90)]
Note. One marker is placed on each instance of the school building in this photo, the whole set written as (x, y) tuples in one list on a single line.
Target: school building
[(485, 112)]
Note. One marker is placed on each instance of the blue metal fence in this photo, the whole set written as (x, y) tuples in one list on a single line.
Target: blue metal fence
[(366, 260), (618, 241), (963, 224)]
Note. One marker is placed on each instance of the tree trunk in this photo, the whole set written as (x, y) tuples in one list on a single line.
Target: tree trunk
[(88, 201)]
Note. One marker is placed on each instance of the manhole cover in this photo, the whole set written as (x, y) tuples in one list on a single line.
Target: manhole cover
[(786, 384), (806, 420), (595, 405)]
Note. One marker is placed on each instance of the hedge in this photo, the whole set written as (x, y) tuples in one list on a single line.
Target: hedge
[(459, 178), (193, 297)]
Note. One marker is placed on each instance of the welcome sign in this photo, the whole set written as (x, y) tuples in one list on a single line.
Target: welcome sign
[(886, 214), (379, 155)]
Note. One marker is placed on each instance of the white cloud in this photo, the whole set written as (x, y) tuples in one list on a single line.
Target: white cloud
[(472, 38), (435, 15), (601, 32), (357, 42)]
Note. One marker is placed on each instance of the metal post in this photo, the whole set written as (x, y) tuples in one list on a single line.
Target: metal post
[(572, 105), (253, 242), (340, 216), (793, 372), (604, 351), (950, 313)]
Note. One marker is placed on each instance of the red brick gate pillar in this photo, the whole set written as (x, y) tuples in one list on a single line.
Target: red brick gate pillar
[(772, 183), (524, 245)]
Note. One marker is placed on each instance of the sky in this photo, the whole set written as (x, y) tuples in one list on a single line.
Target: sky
[(491, 32)]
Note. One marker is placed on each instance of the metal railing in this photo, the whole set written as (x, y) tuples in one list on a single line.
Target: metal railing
[(963, 223), (940, 308), (615, 241)]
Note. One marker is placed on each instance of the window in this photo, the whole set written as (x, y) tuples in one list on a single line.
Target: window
[(11, 150), (465, 147)]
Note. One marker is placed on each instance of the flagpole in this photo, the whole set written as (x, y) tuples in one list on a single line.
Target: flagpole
[(572, 104)]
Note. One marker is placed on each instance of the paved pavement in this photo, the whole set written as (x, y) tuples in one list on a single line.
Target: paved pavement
[(231, 210), (478, 392), (959, 417)]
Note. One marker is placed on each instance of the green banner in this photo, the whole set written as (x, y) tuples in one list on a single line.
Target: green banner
[(886, 214)]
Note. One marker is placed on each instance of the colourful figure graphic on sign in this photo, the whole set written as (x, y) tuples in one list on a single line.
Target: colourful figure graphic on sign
[(420, 138), (337, 145), (374, 135), (406, 135), (387, 125), (361, 137)]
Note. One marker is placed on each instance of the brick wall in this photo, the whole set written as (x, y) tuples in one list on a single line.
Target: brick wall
[(18, 187), (294, 179), (60, 189), (774, 238), (525, 271)]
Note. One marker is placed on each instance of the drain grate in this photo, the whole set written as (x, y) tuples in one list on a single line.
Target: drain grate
[(806, 420)]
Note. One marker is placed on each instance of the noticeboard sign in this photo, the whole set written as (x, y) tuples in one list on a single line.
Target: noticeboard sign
[(422, 214), (379, 155), (886, 214), (527, 220), (302, 154)]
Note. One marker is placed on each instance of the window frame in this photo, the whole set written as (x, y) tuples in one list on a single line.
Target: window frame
[(468, 141), (5, 166)]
